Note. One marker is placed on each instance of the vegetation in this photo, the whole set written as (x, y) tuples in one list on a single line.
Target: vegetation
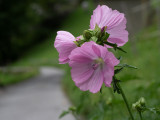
[(143, 82)]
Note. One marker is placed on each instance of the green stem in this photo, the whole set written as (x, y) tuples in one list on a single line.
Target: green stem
[(140, 115), (125, 100)]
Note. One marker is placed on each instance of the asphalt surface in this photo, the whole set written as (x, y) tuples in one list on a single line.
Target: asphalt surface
[(39, 98)]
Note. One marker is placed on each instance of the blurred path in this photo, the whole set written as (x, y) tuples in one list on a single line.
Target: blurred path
[(40, 98)]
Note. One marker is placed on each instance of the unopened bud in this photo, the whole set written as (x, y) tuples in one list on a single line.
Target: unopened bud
[(142, 101), (87, 34), (139, 105)]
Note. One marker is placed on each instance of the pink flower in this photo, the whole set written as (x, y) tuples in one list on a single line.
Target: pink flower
[(115, 22), (64, 45), (92, 64)]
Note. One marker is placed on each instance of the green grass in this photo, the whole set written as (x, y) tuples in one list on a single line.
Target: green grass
[(9, 76), (144, 81)]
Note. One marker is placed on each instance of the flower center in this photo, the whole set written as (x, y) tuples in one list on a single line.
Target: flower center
[(98, 63)]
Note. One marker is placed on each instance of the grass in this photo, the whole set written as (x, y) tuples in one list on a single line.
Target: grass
[(10, 76), (136, 83)]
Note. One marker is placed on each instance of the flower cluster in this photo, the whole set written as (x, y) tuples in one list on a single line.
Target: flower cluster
[(88, 56)]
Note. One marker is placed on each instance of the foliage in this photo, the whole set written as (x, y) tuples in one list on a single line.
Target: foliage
[(26, 23), (141, 82)]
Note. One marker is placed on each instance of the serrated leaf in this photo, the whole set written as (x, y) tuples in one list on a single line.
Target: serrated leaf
[(63, 114)]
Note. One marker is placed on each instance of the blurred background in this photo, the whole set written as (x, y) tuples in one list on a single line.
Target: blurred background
[(28, 29)]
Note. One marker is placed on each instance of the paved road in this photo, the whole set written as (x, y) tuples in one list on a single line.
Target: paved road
[(39, 98)]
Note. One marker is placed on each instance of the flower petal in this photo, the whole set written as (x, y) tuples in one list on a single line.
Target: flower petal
[(111, 59), (94, 84), (96, 17), (105, 16), (80, 72), (118, 34), (108, 73), (64, 45), (115, 22)]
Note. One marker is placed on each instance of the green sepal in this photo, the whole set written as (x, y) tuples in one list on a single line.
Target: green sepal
[(87, 34), (97, 31), (94, 38)]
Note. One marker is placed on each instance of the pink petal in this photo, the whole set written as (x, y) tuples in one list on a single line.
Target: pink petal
[(83, 73), (80, 72), (108, 73), (111, 59), (64, 45), (115, 22), (94, 84), (105, 16), (118, 34), (96, 17), (96, 50), (85, 50)]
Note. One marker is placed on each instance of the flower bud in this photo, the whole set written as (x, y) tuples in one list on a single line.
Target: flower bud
[(142, 101), (139, 105), (87, 34)]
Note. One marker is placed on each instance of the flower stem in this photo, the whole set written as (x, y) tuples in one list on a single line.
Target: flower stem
[(140, 115), (125, 100)]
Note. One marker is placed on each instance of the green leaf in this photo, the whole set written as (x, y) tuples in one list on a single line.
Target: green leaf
[(126, 65), (73, 109), (121, 49), (154, 110), (79, 108), (114, 46), (119, 58), (118, 70), (63, 114)]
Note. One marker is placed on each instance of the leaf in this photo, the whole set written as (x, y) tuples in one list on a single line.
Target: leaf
[(79, 108), (114, 46), (63, 114), (118, 70), (72, 109), (154, 110), (121, 49), (126, 65), (119, 58)]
